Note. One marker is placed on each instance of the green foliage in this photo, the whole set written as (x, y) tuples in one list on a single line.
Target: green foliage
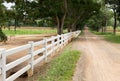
[(3, 37), (118, 10), (102, 33), (113, 4), (109, 36), (95, 22), (80, 11), (74, 12), (2, 15), (113, 38), (62, 68), (99, 20), (45, 22)]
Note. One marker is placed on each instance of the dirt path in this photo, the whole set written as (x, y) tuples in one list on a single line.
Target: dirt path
[(100, 60), (19, 40)]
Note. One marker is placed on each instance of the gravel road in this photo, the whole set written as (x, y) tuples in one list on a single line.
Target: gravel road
[(100, 60)]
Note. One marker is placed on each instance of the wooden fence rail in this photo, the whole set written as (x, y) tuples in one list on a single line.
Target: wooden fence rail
[(56, 42)]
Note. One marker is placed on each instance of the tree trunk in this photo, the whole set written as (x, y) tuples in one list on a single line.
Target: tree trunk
[(9, 23), (115, 22), (105, 29), (16, 17), (74, 24), (15, 24), (60, 24), (73, 27), (69, 28), (61, 19), (102, 29), (9, 28)]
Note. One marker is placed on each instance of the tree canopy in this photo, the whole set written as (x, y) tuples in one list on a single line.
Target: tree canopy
[(71, 14)]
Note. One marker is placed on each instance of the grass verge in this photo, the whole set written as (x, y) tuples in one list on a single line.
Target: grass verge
[(82, 32), (112, 38), (109, 36), (62, 67), (102, 33), (28, 31)]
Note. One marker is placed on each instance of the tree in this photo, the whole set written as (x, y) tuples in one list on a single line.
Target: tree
[(97, 21), (24, 11), (113, 4), (56, 9), (118, 10), (80, 11), (10, 15), (3, 37), (16, 9)]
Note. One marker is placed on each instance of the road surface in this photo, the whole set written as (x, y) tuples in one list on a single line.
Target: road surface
[(100, 60)]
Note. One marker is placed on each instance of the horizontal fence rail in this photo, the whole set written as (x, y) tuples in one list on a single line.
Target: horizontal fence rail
[(49, 46)]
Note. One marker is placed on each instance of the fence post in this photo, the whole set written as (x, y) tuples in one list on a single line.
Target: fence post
[(2, 64), (45, 46), (62, 40), (58, 42), (72, 35), (31, 52), (53, 48), (67, 39)]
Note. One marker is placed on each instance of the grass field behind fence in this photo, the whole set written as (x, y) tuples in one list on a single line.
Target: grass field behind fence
[(29, 31), (62, 68)]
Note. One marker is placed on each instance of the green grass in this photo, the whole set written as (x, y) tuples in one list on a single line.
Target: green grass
[(102, 33), (62, 68), (109, 37), (112, 38), (28, 31), (82, 32)]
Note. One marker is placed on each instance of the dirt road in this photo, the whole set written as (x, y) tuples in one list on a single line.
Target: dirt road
[(100, 60)]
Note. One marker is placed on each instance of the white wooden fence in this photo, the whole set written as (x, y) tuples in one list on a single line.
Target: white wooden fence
[(56, 43)]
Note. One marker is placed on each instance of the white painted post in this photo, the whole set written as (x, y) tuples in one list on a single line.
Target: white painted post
[(64, 40), (3, 64), (31, 52), (45, 52), (72, 35), (67, 39), (61, 40), (58, 42), (53, 47)]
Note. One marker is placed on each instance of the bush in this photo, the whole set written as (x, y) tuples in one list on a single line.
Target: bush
[(3, 37)]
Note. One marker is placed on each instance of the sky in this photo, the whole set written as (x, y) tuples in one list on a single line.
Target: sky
[(8, 5)]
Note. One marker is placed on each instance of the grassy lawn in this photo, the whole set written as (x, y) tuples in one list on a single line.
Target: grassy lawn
[(62, 68), (102, 33), (109, 36), (112, 38), (28, 31)]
